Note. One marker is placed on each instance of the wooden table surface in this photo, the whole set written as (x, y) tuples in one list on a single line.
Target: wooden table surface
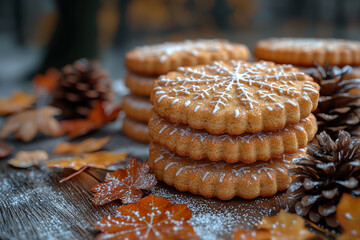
[(34, 205)]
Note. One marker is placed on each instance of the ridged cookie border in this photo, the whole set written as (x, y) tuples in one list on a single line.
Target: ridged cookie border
[(154, 66), (246, 148), (136, 130), (219, 184), (137, 108), (139, 84)]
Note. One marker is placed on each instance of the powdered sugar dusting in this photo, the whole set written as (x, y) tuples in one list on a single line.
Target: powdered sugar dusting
[(165, 50)]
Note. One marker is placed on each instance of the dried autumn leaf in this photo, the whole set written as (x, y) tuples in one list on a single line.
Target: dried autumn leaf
[(88, 145), (124, 184), (101, 114), (100, 160), (46, 82), (27, 124), (348, 214), (26, 159), (5, 149), (17, 102), (152, 218), (282, 226)]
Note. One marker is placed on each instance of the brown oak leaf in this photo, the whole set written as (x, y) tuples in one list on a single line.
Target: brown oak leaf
[(5, 149), (27, 124), (124, 184), (17, 102), (46, 82), (153, 218), (348, 214), (282, 226), (26, 159), (88, 145), (101, 114), (100, 160)]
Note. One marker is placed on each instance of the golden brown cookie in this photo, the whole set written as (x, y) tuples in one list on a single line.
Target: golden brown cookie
[(139, 84), (136, 130), (235, 97), (247, 148), (306, 51), (162, 58), (221, 179), (137, 107)]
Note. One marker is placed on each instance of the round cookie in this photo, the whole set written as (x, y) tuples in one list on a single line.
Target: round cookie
[(220, 179), (161, 58), (137, 108), (235, 97), (246, 148), (136, 130), (306, 51), (139, 84)]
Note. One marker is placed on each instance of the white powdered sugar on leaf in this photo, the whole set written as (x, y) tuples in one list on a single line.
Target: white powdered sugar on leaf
[(239, 84)]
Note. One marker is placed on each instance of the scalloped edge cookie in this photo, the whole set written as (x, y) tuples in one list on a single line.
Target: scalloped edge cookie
[(220, 179), (137, 107), (246, 148), (162, 58), (136, 130), (139, 84), (306, 51), (208, 96)]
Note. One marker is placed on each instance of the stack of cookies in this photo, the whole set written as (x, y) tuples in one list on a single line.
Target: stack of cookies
[(147, 63), (231, 128)]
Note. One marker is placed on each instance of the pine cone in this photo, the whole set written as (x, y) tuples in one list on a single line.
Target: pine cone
[(339, 102), (80, 86), (331, 169)]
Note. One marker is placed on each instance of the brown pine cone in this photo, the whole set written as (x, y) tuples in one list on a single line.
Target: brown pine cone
[(339, 102), (80, 86), (331, 169)]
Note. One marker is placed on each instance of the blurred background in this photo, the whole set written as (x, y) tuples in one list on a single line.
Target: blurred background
[(38, 34)]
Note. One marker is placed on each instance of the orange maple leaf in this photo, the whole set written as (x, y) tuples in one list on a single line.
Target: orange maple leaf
[(48, 81), (88, 145), (101, 114), (348, 215), (282, 226), (17, 102), (124, 184), (152, 218)]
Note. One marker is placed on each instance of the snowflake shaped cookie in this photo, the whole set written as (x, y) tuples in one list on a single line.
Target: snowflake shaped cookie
[(235, 97), (162, 58)]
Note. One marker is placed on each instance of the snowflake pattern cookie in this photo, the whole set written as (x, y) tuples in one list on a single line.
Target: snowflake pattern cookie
[(235, 97), (220, 179), (162, 58), (306, 51), (246, 148)]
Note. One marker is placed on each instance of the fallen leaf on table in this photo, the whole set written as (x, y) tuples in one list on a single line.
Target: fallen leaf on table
[(5, 149), (17, 102), (27, 124), (101, 114), (152, 218), (26, 159), (348, 214), (124, 184), (100, 160), (88, 145), (46, 82), (282, 226)]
